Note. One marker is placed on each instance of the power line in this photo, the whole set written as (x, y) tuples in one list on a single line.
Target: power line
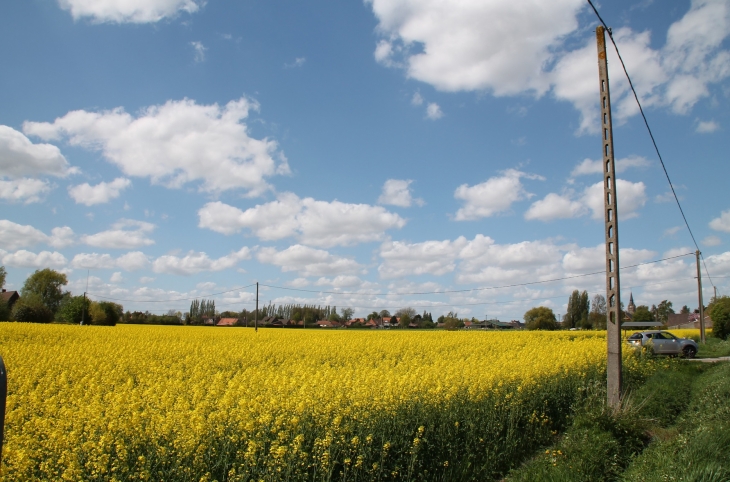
[(656, 148)]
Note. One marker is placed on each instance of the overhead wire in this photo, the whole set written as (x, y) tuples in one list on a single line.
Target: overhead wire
[(656, 147)]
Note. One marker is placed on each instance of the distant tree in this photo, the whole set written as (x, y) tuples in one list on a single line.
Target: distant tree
[(31, 308), (384, 314), (663, 311), (405, 320), (643, 313), (347, 313), (73, 308), (720, 313), (597, 316), (540, 318), (333, 316), (109, 314), (406, 311), (48, 284), (373, 316), (297, 316), (3, 273), (578, 307), (684, 310)]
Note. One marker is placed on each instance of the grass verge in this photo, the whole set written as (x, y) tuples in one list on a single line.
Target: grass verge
[(655, 418)]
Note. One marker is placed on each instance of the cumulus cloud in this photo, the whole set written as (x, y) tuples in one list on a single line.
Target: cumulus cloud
[(707, 127), (494, 196), (24, 190), (397, 192), (116, 277), (712, 241), (316, 223), (402, 259), (298, 62), (494, 45), (14, 236), (555, 206), (433, 111), (722, 223), (20, 157), (135, 11), (194, 263), (417, 99), (28, 259), (631, 197), (308, 261), (175, 143), (125, 234), (99, 194), (509, 48), (590, 166)]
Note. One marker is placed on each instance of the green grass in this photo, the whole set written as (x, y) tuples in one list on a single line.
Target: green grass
[(714, 348), (674, 426)]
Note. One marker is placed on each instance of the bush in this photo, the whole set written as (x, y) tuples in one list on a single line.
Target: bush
[(31, 308), (720, 314)]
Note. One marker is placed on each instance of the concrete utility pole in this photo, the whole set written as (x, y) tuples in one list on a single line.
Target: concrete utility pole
[(699, 295), (256, 316), (613, 287)]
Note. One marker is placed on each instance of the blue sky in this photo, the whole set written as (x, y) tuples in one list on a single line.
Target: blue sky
[(350, 153)]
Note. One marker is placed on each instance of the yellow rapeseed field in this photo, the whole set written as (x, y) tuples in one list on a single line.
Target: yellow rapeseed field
[(198, 403)]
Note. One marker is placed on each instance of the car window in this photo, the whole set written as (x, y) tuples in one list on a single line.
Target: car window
[(649, 335), (635, 336), (661, 336), (669, 336)]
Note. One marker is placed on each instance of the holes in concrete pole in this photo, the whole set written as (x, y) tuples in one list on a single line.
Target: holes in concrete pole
[(610, 232), (606, 149), (610, 283), (612, 317), (604, 101), (610, 266), (608, 197), (603, 86), (610, 248), (612, 302), (608, 165), (610, 214), (605, 118), (605, 134)]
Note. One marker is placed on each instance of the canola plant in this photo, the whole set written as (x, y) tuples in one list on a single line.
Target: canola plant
[(201, 403)]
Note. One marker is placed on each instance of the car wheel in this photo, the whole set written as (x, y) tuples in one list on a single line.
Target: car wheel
[(689, 351)]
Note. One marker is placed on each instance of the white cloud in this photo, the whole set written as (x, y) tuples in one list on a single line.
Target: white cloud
[(146, 280), (722, 223), (20, 157), (707, 127), (512, 48), (317, 223), (402, 259), (99, 194), (555, 206), (194, 263), (176, 143), (298, 62), (120, 237), (93, 261), (134, 11), (712, 241), (495, 45), (631, 197), (308, 261), (341, 281), (133, 261), (433, 111), (397, 192), (199, 50), (583, 260), (24, 190), (28, 259), (494, 196), (14, 236), (589, 166), (116, 277), (417, 99)]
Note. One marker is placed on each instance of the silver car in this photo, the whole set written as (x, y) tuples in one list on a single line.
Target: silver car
[(664, 343)]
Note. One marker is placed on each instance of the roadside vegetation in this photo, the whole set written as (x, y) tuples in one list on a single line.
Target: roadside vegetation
[(673, 426)]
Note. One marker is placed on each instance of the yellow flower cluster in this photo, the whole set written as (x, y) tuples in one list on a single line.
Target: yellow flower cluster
[(198, 403)]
